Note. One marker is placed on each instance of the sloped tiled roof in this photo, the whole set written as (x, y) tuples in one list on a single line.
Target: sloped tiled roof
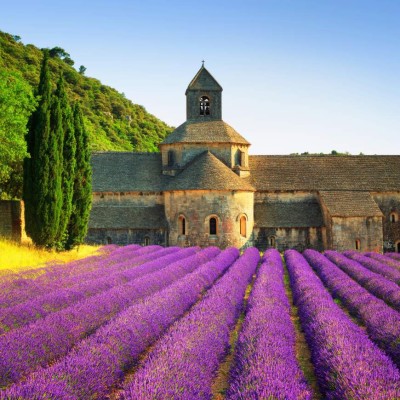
[(115, 217), (206, 172), (124, 172), (205, 132), (203, 80), (276, 214), (350, 204), (363, 173)]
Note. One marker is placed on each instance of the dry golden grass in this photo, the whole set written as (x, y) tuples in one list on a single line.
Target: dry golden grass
[(15, 257)]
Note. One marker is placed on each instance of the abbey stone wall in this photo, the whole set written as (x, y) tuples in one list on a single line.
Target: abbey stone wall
[(198, 206)]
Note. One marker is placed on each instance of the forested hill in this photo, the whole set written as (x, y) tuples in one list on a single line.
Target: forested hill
[(113, 122)]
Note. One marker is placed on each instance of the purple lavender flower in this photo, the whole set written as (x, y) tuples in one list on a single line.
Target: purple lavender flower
[(183, 363), (25, 349), (59, 276), (382, 322), (384, 259), (37, 308), (98, 363), (347, 364), (374, 283), (374, 266), (265, 365)]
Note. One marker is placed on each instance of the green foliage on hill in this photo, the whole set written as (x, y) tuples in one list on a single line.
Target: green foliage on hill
[(112, 121)]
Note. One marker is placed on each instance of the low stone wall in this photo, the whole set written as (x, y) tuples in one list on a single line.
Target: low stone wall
[(127, 236), (12, 224)]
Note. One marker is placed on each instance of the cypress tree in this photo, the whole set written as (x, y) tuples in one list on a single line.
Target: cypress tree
[(69, 162), (82, 197), (42, 172)]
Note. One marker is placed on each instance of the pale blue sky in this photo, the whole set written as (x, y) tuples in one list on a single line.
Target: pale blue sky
[(298, 75)]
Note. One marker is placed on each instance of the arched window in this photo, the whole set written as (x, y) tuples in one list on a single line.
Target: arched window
[(146, 240), (204, 105), (240, 158), (109, 240), (358, 244), (393, 217), (243, 226), (398, 247), (182, 225), (213, 226), (171, 158), (272, 241)]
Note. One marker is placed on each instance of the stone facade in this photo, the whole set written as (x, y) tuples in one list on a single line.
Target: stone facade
[(12, 222), (204, 188), (198, 206), (389, 203)]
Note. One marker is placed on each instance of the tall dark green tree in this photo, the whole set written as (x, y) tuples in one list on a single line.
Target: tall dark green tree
[(82, 197), (43, 170), (69, 162)]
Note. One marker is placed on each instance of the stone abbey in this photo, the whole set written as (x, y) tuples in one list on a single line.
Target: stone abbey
[(204, 188)]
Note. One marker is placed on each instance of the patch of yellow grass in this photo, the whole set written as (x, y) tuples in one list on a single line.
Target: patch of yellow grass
[(15, 257)]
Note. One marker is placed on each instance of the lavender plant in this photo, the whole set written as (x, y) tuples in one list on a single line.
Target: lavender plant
[(183, 363), (374, 283), (381, 321), (265, 365), (37, 308), (347, 364), (374, 266), (98, 363), (66, 275), (395, 256), (384, 259), (25, 349)]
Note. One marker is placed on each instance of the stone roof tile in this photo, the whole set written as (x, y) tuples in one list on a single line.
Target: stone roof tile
[(207, 172), (362, 173), (127, 172), (125, 217), (350, 204), (216, 131), (280, 214), (203, 80)]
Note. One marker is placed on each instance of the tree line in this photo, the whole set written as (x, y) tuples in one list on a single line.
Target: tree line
[(57, 175)]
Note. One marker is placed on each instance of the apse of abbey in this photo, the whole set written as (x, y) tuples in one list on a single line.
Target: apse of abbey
[(203, 188)]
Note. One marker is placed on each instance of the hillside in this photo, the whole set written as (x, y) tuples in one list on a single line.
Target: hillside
[(113, 122)]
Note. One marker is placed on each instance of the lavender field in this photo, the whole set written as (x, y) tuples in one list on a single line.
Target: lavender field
[(170, 323)]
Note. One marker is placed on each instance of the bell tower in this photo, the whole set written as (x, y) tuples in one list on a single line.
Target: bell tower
[(203, 97)]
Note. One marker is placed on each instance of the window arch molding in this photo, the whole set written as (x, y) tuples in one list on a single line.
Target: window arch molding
[(204, 104), (182, 224), (272, 241), (170, 158), (242, 220), (212, 224), (393, 216)]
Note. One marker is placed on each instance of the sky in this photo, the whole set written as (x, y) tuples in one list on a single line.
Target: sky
[(298, 75)]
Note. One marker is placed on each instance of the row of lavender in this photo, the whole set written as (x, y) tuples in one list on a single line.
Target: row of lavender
[(122, 271), (347, 363), (98, 363), (183, 363), (52, 277), (35, 345)]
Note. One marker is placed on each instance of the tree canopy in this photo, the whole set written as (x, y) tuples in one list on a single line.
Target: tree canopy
[(16, 104)]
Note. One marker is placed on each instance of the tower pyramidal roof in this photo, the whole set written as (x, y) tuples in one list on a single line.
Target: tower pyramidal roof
[(203, 80), (204, 128)]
